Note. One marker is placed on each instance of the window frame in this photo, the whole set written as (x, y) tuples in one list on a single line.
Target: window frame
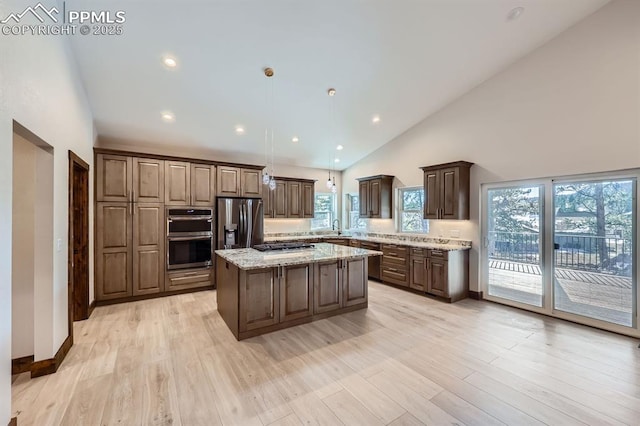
[(332, 212), (362, 225), (400, 210)]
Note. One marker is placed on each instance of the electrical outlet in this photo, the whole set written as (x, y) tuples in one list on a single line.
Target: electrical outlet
[(59, 244), (455, 233)]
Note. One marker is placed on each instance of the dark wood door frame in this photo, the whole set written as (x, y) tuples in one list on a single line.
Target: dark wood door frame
[(78, 262)]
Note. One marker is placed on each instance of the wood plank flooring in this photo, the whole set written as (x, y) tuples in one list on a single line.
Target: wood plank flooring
[(406, 360)]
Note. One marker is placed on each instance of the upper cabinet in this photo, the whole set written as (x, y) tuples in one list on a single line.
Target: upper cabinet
[(375, 197), (291, 198), (239, 182), (189, 184), (121, 178), (446, 190), (114, 178)]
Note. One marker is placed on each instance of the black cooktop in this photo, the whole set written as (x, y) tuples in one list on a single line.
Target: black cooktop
[(282, 246)]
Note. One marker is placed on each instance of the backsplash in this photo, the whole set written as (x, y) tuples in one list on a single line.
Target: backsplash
[(458, 229), (286, 225)]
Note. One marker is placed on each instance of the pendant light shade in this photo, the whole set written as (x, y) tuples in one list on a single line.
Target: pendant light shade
[(272, 183)]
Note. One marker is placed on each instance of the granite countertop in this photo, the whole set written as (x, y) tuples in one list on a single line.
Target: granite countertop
[(249, 258), (400, 239)]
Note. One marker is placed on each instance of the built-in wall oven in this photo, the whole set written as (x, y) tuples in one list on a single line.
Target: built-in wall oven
[(189, 237)]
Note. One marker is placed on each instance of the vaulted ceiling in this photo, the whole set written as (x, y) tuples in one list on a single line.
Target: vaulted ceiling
[(401, 60)]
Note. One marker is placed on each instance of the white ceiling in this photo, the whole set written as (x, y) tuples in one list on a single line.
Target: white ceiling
[(400, 59)]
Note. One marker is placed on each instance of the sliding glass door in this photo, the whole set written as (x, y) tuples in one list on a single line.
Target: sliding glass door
[(513, 243), (593, 250), (564, 247)]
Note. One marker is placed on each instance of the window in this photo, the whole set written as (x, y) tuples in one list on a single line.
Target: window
[(325, 211), (353, 208), (411, 202)]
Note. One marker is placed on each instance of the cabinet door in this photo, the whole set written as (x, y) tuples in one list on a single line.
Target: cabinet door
[(418, 273), (354, 282), (259, 299), (267, 201), (449, 190), (437, 277), (177, 183), (251, 183), (148, 180), (375, 190), (113, 250), (327, 287), (148, 248), (296, 292), (363, 197), (279, 199), (431, 195), (113, 178), (203, 185), (308, 200), (228, 181), (294, 199)]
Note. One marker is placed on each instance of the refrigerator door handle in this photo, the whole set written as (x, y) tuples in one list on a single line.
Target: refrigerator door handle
[(249, 217)]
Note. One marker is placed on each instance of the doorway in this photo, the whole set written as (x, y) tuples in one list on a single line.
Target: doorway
[(78, 240), (565, 247)]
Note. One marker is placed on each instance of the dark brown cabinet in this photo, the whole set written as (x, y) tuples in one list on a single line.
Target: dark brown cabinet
[(296, 292), (375, 197), (446, 190), (291, 198), (327, 286), (354, 281), (395, 264), (448, 274), (418, 270), (259, 295), (239, 182)]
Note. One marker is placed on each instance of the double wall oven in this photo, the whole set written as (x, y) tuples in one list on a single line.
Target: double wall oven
[(189, 237)]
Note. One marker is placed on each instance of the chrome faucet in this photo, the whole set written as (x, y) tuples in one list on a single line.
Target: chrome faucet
[(333, 225)]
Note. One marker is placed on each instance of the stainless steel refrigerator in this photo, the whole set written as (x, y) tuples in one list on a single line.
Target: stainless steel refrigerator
[(240, 222)]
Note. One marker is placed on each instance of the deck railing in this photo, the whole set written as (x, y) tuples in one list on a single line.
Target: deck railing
[(609, 255)]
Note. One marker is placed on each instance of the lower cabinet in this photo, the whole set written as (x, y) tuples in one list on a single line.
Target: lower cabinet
[(188, 279), (114, 251), (273, 298), (418, 270)]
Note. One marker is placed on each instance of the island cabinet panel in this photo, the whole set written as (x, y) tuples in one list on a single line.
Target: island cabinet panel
[(114, 176), (113, 251), (177, 183), (148, 180), (203, 185), (354, 281), (259, 298), (296, 292), (327, 286), (148, 248)]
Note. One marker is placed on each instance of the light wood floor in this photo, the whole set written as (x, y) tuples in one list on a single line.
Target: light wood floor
[(407, 360)]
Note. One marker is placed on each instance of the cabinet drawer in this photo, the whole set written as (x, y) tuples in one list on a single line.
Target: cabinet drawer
[(189, 279), (369, 245), (354, 243), (394, 255), (417, 251), (438, 254), (395, 275)]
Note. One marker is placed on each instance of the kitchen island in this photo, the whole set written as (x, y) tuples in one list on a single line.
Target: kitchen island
[(260, 292)]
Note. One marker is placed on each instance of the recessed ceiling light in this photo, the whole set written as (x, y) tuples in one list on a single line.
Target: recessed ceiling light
[(294, 139), (239, 130), (375, 119), (170, 61), (339, 147), (168, 117), (337, 160), (515, 13)]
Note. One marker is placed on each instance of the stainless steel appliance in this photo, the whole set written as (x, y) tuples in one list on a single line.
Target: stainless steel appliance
[(189, 237), (240, 222)]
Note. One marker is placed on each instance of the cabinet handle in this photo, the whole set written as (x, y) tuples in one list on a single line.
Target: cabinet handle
[(436, 252)]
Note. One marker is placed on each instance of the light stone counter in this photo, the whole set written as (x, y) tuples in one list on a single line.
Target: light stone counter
[(409, 240), (249, 258)]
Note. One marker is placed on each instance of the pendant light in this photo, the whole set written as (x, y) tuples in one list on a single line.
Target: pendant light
[(268, 175), (330, 183)]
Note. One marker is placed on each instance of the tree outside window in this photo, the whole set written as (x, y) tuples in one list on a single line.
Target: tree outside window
[(324, 211), (353, 204), (411, 210)]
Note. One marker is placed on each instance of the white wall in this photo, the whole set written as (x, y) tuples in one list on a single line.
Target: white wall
[(39, 88), (23, 247), (570, 107)]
